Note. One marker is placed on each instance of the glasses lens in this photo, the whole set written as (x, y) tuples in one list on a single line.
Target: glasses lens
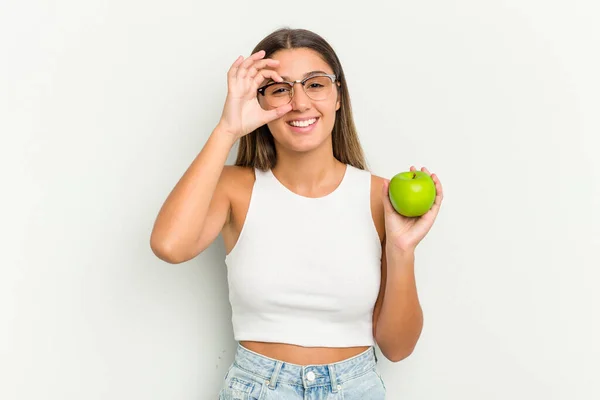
[(318, 87), (278, 94)]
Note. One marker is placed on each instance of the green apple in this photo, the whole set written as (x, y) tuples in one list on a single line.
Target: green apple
[(412, 193)]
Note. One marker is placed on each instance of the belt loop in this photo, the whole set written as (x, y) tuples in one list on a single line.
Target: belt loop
[(333, 378), (275, 374)]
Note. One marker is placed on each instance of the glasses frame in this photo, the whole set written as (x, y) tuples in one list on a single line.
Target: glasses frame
[(334, 80)]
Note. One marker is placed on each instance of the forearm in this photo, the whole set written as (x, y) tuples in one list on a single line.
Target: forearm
[(401, 319), (181, 218)]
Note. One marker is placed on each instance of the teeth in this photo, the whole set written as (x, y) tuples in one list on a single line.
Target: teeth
[(303, 124)]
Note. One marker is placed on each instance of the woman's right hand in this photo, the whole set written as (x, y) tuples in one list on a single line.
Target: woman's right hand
[(242, 112)]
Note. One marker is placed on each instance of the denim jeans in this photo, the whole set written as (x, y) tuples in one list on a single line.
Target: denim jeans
[(252, 376)]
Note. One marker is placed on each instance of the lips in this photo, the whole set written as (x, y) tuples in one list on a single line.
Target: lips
[(303, 122)]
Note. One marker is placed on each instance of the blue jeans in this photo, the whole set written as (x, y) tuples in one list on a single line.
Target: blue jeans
[(252, 376)]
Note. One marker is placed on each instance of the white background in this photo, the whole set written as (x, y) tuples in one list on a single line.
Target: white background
[(103, 105)]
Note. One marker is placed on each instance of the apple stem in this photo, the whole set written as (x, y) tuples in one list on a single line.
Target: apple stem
[(414, 175)]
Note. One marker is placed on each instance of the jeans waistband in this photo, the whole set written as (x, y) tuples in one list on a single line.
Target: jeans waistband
[(273, 371)]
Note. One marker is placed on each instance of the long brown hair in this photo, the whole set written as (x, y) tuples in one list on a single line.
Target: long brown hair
[(257, 149)]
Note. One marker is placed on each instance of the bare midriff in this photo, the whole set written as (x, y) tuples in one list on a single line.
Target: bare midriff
[(303, 355)]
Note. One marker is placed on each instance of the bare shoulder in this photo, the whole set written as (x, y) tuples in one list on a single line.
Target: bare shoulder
[(236, 183), (377, 183), (233, 176)]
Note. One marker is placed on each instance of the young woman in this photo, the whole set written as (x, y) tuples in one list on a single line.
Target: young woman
[(320, 266)]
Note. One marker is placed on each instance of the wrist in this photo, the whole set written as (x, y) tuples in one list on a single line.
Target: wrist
[(398, 255), (225, 134)]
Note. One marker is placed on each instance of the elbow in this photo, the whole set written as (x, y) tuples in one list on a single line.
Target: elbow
[(397, 356), (166, 251), (396, 350)]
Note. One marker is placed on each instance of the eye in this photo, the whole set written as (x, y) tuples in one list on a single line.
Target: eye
[(278, 89), (317, 84)]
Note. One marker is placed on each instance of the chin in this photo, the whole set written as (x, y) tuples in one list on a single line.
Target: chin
[(301, 142), (304, 144)]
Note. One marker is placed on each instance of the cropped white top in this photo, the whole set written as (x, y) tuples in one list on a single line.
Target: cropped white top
[(306, 271)]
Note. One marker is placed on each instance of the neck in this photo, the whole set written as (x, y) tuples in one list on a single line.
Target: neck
[(309, 172)]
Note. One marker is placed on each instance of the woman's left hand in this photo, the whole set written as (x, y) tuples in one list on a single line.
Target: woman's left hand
[(405, 233)]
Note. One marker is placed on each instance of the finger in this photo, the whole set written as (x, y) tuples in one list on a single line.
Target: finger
[(234, 67), (412, 168), (272, 115), (265, 74), (438, 188), (251, 73), (267, 62), (425, 170), (387, 204), (253, 57), (243, 69), (435, 209), (261, 64), (258, 55)]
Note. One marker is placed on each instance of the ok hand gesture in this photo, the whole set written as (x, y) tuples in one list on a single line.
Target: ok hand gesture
[(242, 112)]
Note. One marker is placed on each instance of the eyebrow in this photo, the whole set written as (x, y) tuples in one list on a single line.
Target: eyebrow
[(305, 75), (287, 78)]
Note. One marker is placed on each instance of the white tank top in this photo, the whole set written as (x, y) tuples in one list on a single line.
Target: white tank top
[(306, 271)]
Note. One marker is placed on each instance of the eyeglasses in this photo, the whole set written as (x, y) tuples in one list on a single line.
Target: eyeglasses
[(317, 87)]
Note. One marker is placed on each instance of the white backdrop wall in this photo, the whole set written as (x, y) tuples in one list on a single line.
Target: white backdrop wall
[(103, 105)]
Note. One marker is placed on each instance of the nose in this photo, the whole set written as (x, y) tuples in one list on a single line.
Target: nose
[(300, 101)]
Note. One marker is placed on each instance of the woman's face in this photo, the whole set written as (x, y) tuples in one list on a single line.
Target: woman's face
[(310, 122)]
